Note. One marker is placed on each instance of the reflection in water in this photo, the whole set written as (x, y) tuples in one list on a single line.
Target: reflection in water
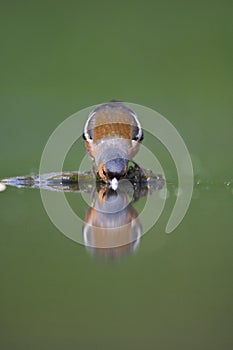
[(112, 227)]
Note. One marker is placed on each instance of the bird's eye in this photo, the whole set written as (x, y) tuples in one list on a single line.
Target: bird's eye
[(86, 136), (135, 134), (142, 137), (136, 138)]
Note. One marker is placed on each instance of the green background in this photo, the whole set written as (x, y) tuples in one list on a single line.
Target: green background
[(57, 57)]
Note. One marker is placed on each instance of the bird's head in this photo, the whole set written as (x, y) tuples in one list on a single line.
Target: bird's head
[(113, 168)]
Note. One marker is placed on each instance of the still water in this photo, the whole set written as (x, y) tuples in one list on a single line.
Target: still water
[(55, 291)]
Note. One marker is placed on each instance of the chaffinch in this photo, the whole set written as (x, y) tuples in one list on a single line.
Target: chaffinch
[(112, 135)]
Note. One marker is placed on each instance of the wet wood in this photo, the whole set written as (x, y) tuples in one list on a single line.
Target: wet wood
[(74, 181)]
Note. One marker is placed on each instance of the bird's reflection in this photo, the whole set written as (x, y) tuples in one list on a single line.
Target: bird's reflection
[(112, 227)]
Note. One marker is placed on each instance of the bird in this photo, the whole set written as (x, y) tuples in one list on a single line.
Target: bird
[(112, 136)]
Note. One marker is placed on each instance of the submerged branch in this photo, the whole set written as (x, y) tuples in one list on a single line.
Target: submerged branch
[(74, 181)]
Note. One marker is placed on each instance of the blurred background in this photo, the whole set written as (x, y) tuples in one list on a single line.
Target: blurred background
[(57, 57)]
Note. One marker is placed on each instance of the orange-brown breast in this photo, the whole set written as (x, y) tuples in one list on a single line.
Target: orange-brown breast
[(112, 130), (104, 234), (113, 122)]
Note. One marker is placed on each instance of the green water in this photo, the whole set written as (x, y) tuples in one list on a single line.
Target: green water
[(175, 291)]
